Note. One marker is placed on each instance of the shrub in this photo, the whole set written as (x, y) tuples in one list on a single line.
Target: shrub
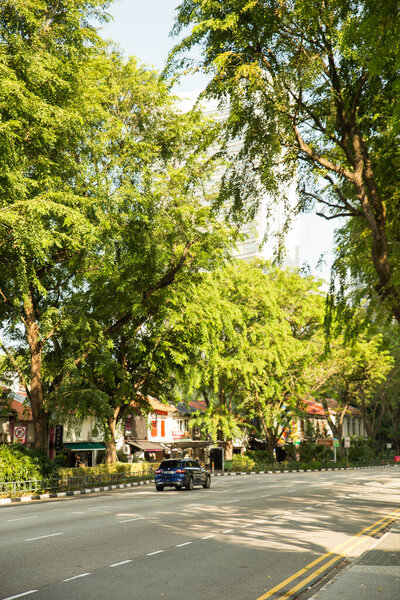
[(17, 465), (309, 451), (127, 468), (60, 460), (261, 457), (241, 462), (47, 467), (360, 450)]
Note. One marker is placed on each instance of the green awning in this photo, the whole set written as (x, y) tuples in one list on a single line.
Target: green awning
[(80, 446)]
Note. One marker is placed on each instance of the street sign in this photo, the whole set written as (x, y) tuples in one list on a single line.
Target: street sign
[(388, 446), (324, 442), (20, 434), (336, 443), (347, 442)]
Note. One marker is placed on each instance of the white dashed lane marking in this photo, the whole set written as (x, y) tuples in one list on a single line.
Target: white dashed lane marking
[(124, 562), (21, 595), (184, 544), (22, 519), (76, 577), (41, 537)]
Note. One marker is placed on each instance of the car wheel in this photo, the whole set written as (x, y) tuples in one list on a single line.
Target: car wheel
[(159, 488), (178, 487), (189, 485), (207, 482)]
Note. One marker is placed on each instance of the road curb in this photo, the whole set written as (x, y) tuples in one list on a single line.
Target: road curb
[(120, 486), (105, 488)]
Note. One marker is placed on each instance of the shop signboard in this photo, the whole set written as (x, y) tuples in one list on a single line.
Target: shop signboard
[(327, 442)]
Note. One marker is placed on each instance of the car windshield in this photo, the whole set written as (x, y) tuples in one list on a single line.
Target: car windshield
[(170, 464)]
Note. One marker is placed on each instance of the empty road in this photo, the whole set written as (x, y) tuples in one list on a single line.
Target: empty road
[(246, 538)]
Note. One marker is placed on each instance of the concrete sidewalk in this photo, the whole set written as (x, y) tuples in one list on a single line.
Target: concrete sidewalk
[(375, 575)]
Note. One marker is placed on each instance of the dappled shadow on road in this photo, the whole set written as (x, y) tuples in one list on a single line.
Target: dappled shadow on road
[(311, 525)]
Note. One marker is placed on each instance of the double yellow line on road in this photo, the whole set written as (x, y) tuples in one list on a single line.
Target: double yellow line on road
[(339, 553)]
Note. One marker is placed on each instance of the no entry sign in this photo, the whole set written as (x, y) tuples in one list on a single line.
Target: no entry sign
[(20, 434)]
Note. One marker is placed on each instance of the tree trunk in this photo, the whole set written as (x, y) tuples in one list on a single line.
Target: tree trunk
[(270, 436), (111, 452), (35, 393), (111, 444)]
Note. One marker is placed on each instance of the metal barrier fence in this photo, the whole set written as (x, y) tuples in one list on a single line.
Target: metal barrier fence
[(67, 484)]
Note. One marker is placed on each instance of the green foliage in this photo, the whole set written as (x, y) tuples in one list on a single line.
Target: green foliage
[(248, 334), (127, 468), (103, 208), (309, 451), (361, 450), (241, 462), (18, 463), (60, 460), (312, 89), (261, 457), (48, 468)]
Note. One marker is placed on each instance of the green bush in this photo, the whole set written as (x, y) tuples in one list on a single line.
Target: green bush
[(241, 462), (48, 468), (261, 457), (360, 450), (127, 468), (18, 465), (309, 451), (60, 460)]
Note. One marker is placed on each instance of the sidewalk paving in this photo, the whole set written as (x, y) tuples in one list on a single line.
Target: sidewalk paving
[(375, 575)]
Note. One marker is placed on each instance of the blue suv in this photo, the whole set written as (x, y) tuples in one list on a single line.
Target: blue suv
[(181, 472)]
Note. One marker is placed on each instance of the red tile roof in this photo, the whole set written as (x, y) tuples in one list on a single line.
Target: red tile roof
[(23, 411), (313, 407), (198, 405), (156, 405)]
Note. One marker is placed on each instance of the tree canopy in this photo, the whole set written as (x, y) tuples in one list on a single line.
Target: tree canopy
[(246, 339), (103, 196), (312, 89)]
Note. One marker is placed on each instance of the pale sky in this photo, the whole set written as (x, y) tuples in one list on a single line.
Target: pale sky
[(141, 28)]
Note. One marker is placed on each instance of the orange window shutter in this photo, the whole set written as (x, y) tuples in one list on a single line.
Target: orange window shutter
[(163, 428)]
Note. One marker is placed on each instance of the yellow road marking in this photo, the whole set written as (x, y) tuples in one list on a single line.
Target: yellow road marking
[(324, 567), (349, 544)]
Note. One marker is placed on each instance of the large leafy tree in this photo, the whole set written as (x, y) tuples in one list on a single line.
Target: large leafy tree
[(101, 193), (311, 87), (351, 374), (49, 53), (123, 343), (249, 339)]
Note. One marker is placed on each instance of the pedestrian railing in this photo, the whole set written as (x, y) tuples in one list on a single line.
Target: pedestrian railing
[(66, 484)]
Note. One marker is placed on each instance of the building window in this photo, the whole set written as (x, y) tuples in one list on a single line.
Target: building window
[(154, 427), (163, 428)]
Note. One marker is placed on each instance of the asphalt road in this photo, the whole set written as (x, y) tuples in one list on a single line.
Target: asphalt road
[(247, 538)]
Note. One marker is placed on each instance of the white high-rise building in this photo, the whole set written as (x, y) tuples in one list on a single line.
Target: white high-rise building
[(260, 233)]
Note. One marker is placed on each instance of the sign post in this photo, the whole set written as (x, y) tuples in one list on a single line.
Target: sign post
[(347, 446), (335, 445)]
